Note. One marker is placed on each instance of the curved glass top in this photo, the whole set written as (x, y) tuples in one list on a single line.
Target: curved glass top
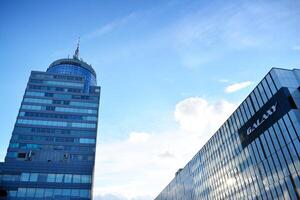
[(74, 67)]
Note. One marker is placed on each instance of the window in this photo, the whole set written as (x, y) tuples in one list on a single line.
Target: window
[(30, 192), (21, 192), (266, 87), (61, 102), (33, 177), (42, 177), (37, 94), (262, 93), (90, 118), (39, 192), (51, 178), (75, 110), (7, 177), (21, 155), (84, 193), (254, 100), (86, 104), (48, 94), (14, 145), (62, 96), (66, 192), (59, 178), (85, 179), (41, 75), (63, 83), (12, 193), (48, 192), (258, 97), (44, 101), (49, 108), (75, 192), (40, 122), (83, 125), (68, 178), (76, 178), (271, 84), (22, 114), (57, 192), (87, 141), (30, 107), (25, 177), (11, 154)]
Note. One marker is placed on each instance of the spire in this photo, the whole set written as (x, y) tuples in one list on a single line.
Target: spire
[(76, 54)]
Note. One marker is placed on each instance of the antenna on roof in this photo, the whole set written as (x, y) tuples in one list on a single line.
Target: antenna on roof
[(76, 54)]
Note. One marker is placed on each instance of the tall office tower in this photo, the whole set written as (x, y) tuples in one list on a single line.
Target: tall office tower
[(255, 153), (51, 154)]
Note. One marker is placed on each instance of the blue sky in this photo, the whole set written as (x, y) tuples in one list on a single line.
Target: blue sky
[(161, 65)]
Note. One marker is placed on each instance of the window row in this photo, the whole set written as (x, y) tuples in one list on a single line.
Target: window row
[(49, 193), (50, 178), (49, 88), (60, 83), (51, 76), (55, 178), (25, 146), (32, 100), (75, 110), (60, 116), (38, 138), (59, 109), (21, 155), (88, 74), (52, 131), (87, 140), (62, 96), (40, 122), (55, 123), (54, 147)]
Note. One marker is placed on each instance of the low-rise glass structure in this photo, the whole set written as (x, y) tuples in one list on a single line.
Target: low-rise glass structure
[(255, 154), (51, 154)]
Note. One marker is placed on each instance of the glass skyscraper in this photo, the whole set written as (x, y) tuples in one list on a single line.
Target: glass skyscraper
[(255, 154), (51, 154)]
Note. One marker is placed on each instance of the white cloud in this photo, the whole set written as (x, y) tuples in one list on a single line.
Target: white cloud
[(166, 154), (223, 80), (237, 86), (136, 137), (196, 115), (107, 28), (140, 166), (109, 197)]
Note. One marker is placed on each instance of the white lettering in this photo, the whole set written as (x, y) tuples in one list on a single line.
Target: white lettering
[(260, 120)]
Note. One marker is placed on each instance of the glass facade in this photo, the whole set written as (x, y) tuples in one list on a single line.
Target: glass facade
[(73, 67), (255, 154), (51, 154)]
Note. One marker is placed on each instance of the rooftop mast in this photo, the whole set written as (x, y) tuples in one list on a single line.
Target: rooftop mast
[(76, 54)]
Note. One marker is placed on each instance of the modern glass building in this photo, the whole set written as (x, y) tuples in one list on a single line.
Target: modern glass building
[(51, 154), (254, 154)]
